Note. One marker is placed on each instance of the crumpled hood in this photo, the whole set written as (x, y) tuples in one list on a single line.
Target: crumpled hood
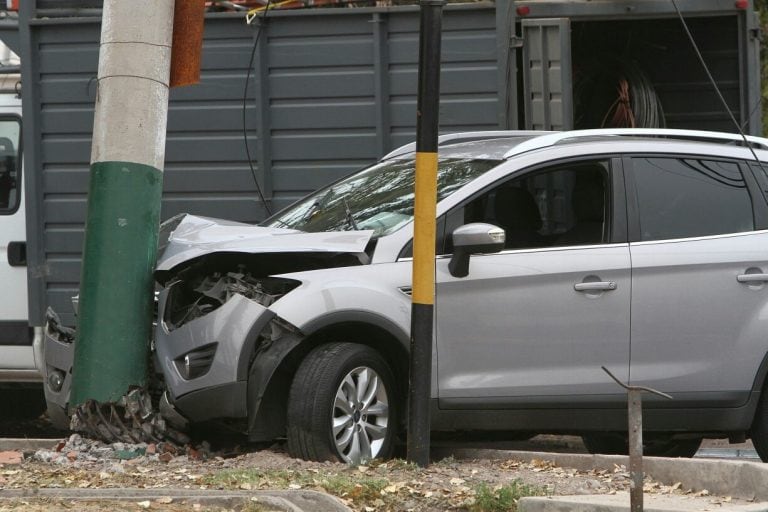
[(197, 236)]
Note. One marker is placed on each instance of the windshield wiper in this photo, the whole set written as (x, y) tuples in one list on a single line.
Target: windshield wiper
[(349, 217)]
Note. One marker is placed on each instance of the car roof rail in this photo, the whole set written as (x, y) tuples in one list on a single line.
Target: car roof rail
[(553, 138), (454, 138)]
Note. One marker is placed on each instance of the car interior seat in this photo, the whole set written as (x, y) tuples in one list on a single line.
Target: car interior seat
[(515, 211)]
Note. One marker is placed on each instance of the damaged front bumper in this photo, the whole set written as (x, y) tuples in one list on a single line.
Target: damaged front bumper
[(206, 360)]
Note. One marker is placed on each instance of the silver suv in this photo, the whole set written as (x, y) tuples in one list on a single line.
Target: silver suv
[(644, 251)]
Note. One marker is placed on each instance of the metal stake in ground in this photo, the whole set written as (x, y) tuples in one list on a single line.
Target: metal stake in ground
[(635, 412), (115, 309), (423, 298)]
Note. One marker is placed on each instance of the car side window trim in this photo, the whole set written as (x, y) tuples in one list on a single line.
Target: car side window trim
[(618, 220)]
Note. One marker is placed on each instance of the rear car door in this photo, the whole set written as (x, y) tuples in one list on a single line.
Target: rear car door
[(535, 323), (699, 274)]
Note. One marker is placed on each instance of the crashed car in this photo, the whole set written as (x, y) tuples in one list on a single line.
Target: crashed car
[(300, 325)]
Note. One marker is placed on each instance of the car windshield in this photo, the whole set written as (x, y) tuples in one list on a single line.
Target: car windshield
[(378, 198)]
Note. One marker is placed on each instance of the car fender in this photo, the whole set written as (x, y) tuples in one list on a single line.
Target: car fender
[(378, 294)]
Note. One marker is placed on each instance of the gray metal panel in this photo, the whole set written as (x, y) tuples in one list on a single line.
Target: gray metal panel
[(506, 53), (547, 86), (330, 91)]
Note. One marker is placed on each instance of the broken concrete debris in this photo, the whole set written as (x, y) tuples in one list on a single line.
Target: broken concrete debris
[(78, 449)]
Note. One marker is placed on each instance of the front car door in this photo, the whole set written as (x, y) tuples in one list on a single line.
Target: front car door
[(698, 330), (535, 323)]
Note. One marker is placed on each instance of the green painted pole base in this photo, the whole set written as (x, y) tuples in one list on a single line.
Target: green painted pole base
[(116, 287)]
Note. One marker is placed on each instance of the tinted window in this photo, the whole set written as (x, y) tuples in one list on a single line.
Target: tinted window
[(685, 197), (559, 206), (760, 170), (10, 175)]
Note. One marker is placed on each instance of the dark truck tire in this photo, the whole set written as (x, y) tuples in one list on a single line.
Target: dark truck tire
[(342, 405)]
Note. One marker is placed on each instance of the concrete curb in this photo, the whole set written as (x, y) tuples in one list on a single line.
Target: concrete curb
[(27, 445), (620, 503), (740, 479), (287, 501)]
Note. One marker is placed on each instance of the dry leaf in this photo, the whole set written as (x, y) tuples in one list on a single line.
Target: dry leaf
[(143, 504), (457, 481), (165, 500)]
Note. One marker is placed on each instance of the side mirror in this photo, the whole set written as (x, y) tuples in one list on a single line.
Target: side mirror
[(475, 238)]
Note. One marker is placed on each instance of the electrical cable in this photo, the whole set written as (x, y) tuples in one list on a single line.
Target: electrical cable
[(245, 103), (636, 104), (714, 84)]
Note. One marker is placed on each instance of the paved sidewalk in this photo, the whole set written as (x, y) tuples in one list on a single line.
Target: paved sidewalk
[(620, 503)]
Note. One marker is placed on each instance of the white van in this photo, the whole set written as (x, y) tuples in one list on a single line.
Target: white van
[(19, 343)]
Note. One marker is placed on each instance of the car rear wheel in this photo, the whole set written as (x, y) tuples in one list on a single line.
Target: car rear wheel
[(759, 433), (614, 443), (342, 405)]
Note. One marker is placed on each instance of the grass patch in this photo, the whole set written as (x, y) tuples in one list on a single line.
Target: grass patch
[(350, 485), (502, 498)]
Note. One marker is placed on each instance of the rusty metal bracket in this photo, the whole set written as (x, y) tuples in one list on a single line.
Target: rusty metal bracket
[(635, 417)]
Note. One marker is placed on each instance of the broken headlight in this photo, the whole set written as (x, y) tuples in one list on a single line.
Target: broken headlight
[(188, 300)]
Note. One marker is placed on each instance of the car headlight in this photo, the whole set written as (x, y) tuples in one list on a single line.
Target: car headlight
[(192, 299)]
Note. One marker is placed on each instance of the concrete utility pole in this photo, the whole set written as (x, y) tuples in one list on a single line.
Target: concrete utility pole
[(115, 309), (423, 296)]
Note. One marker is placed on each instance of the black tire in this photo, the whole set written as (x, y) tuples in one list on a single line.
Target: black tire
[(659, 445), (312, 409), (759, 431)]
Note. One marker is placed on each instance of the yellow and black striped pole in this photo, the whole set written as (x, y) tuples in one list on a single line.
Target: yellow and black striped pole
[(422, 309)]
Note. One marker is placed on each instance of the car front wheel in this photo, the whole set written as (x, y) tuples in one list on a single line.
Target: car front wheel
[(342, 405)]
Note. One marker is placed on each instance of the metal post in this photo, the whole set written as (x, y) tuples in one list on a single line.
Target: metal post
[(115, 309), (423, 297), (635, 411), (635, 423)]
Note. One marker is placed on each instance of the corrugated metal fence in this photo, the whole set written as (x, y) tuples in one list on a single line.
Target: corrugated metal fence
[(332, 89)]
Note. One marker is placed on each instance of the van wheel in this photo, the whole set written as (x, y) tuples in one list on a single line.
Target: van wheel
[(614, 443), (342, 405)]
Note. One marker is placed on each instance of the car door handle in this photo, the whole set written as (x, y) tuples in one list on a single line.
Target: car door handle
[(602, 286), (752, 278)]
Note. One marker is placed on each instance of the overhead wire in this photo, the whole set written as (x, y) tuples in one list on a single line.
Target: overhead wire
[(245, 103), (714, 84)]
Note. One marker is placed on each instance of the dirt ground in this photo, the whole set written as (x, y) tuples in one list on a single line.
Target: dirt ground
[(447, 484)]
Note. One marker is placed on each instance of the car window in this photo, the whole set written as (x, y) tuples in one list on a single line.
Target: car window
[(558, 206), (760, 171), (10, 168), (689, 197), (378, 198)]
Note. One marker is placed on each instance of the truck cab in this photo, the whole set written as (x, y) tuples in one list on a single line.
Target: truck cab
[(19, 353)]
